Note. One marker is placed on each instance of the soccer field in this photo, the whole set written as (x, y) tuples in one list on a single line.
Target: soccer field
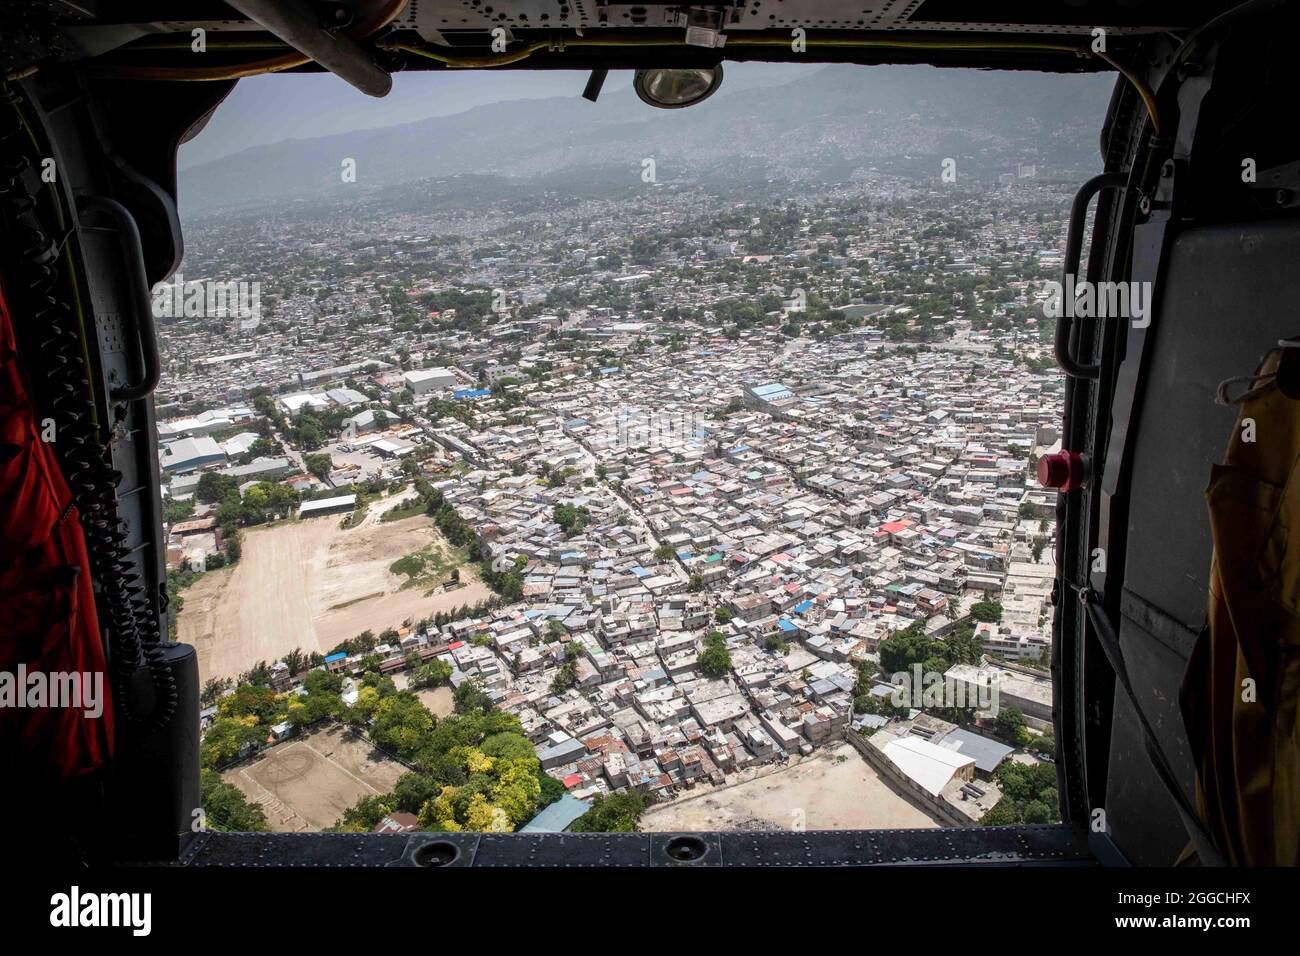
[(306, 783)]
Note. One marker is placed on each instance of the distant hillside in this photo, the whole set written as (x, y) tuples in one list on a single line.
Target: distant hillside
[(821, 126)]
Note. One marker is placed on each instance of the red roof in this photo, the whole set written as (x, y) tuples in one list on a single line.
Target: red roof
[(572, 780), (893, 526), (455, 644)]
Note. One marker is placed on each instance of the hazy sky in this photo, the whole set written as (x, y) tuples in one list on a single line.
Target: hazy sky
[(270, 109)]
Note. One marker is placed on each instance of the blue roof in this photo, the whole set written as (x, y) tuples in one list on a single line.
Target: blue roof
[(802, 606), (471, 392), (684, 553), (988, 753), (639, 571), (609, 371), (340, 656), (558, 817), (771, 388), (786, 625)]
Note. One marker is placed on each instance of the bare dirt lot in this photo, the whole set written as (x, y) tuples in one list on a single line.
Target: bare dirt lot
[(310, 584), (819, 793), (306, 783), (438, 701)]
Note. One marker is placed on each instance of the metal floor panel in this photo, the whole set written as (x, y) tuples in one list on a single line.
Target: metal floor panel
[(1057, 845)]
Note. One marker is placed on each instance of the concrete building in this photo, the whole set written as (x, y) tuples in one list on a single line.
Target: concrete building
[(341, 504), (425, 380), (928, 765), (191, 454)]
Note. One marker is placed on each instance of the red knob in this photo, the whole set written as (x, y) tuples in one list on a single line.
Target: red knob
[(1063, 471)]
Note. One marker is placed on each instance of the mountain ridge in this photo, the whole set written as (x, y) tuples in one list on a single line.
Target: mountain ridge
[(827, 121)]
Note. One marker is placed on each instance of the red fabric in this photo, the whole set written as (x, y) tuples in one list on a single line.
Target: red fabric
[(47, 604)]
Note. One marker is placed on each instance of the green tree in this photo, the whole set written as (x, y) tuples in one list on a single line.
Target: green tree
[(615, 813), (225, 808), (1010, 725), (433, 674), (227, 737), (318, 463), (214, 487), (911, 646), (365, 814), (174, 511), (714, 660), (470, 698), (1029, 795), (963, 646), (401, 724), (571, 519)]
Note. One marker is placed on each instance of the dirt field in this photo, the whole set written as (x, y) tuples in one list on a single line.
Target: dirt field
[(819, 793), (437, 701), (309, 584), (306, 783)]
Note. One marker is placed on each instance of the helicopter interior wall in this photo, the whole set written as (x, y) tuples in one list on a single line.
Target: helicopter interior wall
[(1220, 311)]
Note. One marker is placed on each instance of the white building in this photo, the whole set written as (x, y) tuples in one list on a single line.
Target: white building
[(930, 766), (425, 380)]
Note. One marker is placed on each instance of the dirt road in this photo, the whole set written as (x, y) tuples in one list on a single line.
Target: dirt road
[(835, 790), (309, 584)]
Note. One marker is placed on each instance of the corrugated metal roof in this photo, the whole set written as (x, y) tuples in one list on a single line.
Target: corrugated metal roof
[(558, 817)]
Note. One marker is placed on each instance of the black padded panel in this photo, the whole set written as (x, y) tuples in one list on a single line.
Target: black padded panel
[(1227, 297)]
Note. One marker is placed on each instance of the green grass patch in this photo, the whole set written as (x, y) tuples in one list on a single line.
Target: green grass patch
[(429, 567), (408, 510)]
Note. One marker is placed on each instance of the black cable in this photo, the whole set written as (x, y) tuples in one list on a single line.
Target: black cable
[(134, 635)]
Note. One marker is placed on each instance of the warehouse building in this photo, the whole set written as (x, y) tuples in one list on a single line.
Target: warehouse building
[(425, 380), (327, 506), (929, 766), (369, 420), (260, 469), (191, 454), (767, 397)]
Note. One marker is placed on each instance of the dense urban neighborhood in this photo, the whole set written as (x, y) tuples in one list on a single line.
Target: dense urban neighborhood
[(568, 511)]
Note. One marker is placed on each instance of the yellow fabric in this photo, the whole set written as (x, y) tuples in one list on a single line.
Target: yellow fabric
[(1248, 750)]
